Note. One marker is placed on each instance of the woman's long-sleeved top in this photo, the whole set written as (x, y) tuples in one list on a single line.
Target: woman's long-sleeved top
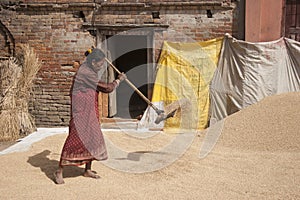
[(87, 78)]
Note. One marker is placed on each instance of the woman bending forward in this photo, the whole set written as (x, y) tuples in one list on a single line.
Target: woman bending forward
[(85, 141)]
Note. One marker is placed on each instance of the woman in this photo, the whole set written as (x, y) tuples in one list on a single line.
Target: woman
[(85, 141)]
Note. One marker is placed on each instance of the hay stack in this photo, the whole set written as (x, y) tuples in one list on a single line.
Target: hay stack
[(16, 81), (10, 72)]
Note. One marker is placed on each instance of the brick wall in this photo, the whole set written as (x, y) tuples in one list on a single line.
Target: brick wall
[(191, 20), (57, 34), (58, 40)]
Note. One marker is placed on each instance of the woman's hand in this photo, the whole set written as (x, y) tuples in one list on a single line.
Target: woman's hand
[(122, 76)]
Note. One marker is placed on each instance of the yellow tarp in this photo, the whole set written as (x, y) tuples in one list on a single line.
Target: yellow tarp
[(185, 71)]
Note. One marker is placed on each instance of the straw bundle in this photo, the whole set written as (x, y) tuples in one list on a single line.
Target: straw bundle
[(16, 81), (9, 75)]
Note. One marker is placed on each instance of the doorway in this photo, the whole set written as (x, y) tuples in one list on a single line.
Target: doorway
[(129, 53), (292, 20)]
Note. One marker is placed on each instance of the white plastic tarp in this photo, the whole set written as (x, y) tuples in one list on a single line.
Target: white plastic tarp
[(248, 72)]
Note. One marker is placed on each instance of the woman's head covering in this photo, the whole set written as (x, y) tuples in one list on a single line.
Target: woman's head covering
[(94, 54)]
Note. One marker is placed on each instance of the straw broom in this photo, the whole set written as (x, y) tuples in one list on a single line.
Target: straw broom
[(16, 81)]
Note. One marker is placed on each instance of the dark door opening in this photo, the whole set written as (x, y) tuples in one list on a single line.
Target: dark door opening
[(292, 19), (129, 55)]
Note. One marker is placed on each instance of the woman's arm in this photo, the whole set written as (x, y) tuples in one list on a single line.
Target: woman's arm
[(107, 87)]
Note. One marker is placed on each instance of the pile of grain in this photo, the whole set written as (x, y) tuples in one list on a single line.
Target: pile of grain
[(256, 157), (270, 125)]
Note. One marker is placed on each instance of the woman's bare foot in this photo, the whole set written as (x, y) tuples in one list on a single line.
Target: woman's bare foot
[(58, 177), (91, 174)]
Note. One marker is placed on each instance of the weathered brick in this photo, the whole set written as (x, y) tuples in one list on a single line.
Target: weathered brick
[(59, 39)]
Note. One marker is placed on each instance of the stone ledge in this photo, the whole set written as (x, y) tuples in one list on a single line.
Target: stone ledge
[(55, 6), (127, 6), (111, 27)]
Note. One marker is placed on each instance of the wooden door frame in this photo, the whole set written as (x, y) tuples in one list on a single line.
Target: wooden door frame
[(101, 33)]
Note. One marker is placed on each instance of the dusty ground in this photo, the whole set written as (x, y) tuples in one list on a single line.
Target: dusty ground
[(256, 157), (4, 145)]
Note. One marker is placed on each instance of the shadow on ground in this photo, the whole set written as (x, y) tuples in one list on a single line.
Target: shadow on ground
[(48, 166)]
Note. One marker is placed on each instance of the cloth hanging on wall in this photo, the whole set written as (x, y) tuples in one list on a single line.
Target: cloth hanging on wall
[(184, 72), (248, 72)]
